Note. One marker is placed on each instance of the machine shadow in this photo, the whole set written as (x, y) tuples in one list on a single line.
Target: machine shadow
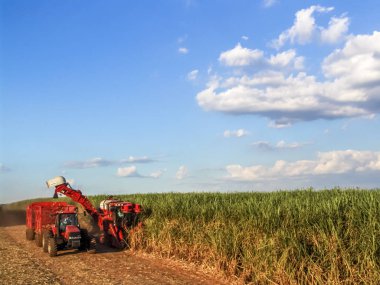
[(100, 249)]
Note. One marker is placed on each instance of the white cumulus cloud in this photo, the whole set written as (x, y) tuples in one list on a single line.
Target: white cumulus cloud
[(333, 162), (355, 70), (287, 58), (350, 88), (130, 171), (133, 159), (102, 162), (193, 75), (240, 56), (280, 145), (90, 163), (335, 32), (269, 3), (183, 50), (235, 133), (305, 29), (182, 172), (156, 174)]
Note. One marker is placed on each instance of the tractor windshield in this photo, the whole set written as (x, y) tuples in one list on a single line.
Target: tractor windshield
[(67, 219)]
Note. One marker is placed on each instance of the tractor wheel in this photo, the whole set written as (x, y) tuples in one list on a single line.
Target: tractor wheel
[(52, 247), (38, 240), (45, 240), (91, 247), (29, 234)]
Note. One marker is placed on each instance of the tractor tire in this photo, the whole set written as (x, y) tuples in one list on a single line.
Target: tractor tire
[(45, 240), (29, 234), (38, 240), (52, 247)]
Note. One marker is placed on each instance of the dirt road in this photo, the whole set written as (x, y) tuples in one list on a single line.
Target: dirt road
[(25, 263)]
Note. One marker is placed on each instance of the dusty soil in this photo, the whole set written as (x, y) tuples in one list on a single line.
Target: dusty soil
[(25, 263)]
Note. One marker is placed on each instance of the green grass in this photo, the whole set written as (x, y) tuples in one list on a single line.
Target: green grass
[(286, 237)]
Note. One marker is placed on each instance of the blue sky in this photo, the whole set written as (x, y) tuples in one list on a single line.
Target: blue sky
[(157, 96)]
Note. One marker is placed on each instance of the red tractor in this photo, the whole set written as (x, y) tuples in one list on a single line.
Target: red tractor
[(115, 218), (54, 226)]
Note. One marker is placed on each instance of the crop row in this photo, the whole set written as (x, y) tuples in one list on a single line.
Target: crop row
[(309, 237)]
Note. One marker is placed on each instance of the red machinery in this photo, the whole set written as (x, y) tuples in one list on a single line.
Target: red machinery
[(115, 218), (54, 226)]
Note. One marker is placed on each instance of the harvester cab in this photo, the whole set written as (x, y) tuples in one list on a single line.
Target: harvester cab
[(123, 214)]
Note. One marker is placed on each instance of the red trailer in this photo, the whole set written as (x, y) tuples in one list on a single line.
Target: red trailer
[(54, 226)]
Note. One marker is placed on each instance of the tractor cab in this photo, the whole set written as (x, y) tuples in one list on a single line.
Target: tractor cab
[(66, 219), (68, 230)]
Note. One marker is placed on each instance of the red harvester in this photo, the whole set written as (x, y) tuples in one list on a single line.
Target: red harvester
[(115, 218), (54, 226)]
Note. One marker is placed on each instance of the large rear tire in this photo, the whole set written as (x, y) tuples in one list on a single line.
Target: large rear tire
[(29, 233), (52, 247), (38, 240)]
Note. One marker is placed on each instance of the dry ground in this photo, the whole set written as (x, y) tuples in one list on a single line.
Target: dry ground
[(22, 262)]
